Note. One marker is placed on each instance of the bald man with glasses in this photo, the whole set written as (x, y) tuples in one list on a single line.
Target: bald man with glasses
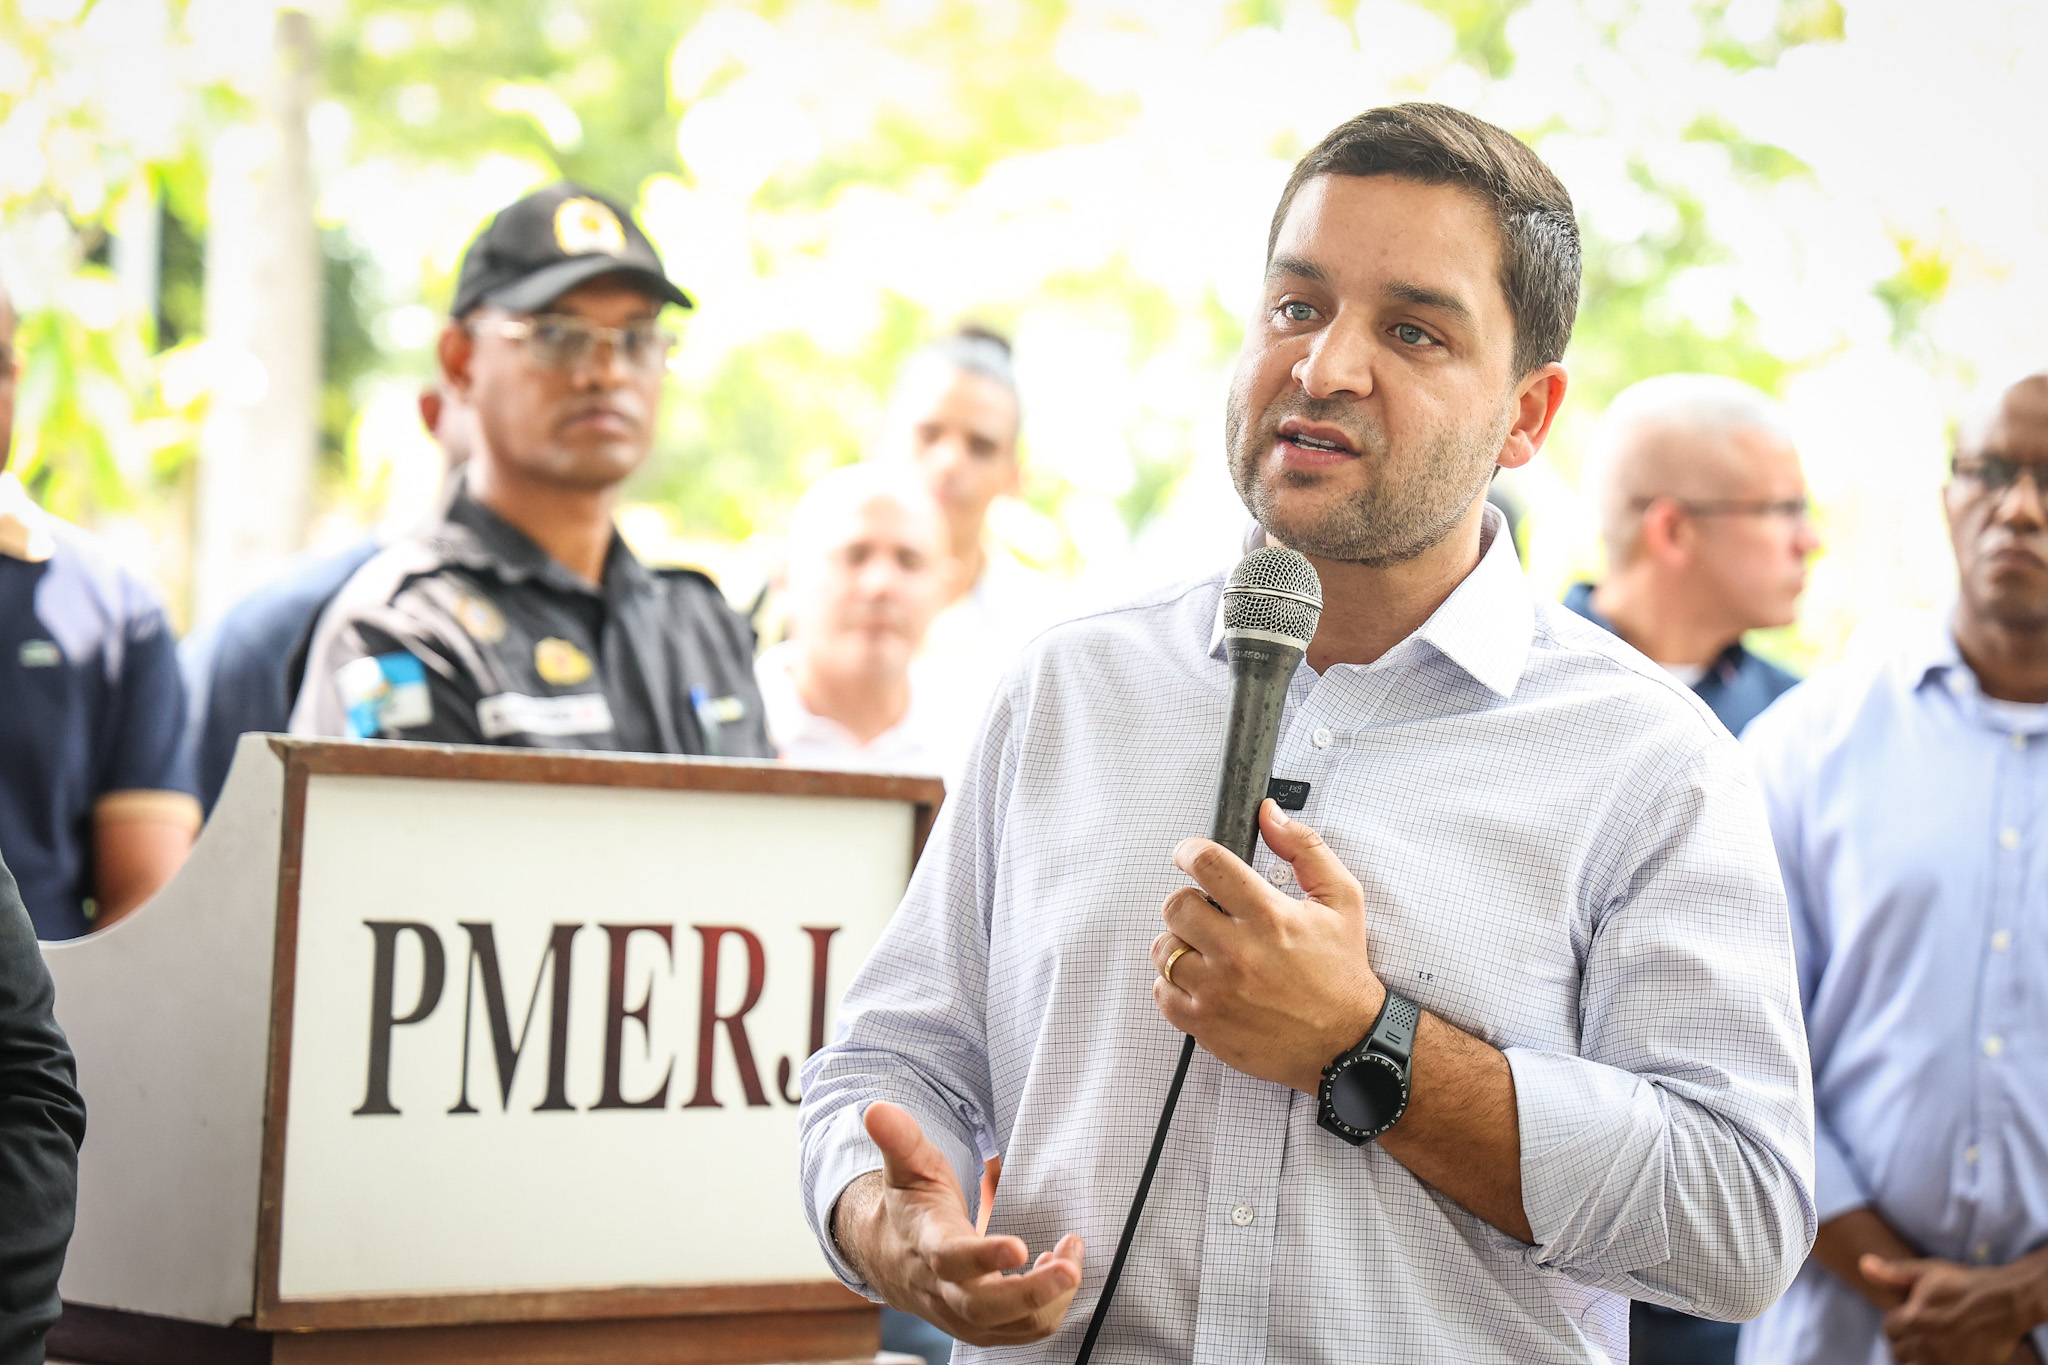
[(522, 618), (1704, 514)]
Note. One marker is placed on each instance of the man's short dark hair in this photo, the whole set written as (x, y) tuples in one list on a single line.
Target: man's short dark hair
[(1438, 145)]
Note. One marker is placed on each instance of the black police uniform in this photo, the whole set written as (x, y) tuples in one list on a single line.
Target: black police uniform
[(470, 634)]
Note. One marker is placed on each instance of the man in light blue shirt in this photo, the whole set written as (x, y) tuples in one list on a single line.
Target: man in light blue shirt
[(1541, 840), (1909, 800)]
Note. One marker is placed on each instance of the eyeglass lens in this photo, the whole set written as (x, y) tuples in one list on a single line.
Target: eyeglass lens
[(564, 343)]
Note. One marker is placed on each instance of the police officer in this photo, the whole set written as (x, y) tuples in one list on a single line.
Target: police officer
[(522, 618)]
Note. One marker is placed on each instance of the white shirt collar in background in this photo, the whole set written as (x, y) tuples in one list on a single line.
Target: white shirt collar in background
[(805, 739)]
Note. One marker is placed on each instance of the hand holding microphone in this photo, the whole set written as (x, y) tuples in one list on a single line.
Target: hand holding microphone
[(1272, 986)]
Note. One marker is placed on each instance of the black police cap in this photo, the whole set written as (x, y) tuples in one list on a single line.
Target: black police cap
[(554, 239)]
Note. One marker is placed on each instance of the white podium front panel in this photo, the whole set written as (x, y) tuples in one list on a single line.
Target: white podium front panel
[(545, 1037)]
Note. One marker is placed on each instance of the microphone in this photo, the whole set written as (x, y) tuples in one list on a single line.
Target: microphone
[(1270, 608)]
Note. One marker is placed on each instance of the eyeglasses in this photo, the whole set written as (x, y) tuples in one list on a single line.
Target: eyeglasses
[(557, 342), (1789, 509), (1996, 474)]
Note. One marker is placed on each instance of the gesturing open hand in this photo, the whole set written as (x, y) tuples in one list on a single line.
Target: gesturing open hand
[(906, 1230)]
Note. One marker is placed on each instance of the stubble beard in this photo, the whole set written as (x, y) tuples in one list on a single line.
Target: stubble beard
[(1396, 517)]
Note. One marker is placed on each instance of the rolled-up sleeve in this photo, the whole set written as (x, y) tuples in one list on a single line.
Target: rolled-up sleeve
[(1672, 1158), (911, 1029)]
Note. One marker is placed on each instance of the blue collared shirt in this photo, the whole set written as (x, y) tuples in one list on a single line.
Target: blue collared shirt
[(1911, 820), (1562, 852), (1737, 686), (243, 674), (91, 707)]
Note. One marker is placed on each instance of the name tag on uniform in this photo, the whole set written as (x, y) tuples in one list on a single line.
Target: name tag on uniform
[(510, 713)]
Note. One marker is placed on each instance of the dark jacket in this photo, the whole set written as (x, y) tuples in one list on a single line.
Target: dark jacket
[(1736, 687), (42, 1123), (244, 674)]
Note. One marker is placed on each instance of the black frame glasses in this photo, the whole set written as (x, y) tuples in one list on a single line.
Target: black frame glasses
[(1790, 509), (1996, 474)]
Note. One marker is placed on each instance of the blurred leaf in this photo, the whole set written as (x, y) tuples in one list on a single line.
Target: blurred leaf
[(1482, 29), (1922, 278)]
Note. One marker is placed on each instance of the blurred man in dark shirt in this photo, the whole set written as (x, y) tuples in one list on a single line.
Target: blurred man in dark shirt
[(1704, 513), (42, 1123), (96, 796), (245, 671)]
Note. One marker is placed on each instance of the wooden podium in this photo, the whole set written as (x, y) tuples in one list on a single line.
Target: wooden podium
[(435, 1053)]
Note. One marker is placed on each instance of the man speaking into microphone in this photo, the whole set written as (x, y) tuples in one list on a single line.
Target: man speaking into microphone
[(1505, 819)]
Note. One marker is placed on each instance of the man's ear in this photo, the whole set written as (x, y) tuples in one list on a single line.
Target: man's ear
[(1663, 535), (1537, 398), (455, 350)]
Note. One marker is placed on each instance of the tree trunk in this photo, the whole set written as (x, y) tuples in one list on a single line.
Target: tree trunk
[(260, 438)]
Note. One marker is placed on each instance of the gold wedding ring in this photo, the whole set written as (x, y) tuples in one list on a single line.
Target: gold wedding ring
[(1172, 958)]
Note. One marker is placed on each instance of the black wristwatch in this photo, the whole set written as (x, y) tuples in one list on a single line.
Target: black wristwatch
[(1365, 1090)]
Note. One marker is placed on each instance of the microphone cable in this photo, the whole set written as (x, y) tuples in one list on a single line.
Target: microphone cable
[(1123, 1246), (1271, 606)]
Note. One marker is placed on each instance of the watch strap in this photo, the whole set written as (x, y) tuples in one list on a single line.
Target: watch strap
[(1393, 1033)]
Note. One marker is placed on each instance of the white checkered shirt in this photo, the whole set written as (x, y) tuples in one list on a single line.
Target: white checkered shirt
[(1562, 853)]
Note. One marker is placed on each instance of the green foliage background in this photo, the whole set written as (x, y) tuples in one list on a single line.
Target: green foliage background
[(442, 89)]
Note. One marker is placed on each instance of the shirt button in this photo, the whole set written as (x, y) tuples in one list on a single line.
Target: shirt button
[(1278, 876), (2001, 940), (1970, 1155), (1982, 1251), (1242, 1215), (1322, 738), (2019, 741), (2008, 838), (1993, 1045)]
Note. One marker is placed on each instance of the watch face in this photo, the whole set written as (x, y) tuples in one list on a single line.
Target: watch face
[(1368, 1094)]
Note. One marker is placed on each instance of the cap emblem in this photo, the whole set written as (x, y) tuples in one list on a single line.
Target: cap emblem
[(584, 227)]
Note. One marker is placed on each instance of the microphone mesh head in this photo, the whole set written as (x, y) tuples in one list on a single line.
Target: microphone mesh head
[(1275, 592)]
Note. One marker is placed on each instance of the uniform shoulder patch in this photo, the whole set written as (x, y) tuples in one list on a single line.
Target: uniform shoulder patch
[(383, 692)]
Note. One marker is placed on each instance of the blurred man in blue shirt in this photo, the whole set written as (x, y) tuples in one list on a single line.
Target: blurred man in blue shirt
[(1909, 799), (244, 672), (96, 803), (1703, 511)]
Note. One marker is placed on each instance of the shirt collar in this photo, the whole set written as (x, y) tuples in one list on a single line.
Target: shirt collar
[(1725, 668), (1484, 626), (1932, 655), (1932, 658), (25, 529), (493, 543)]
